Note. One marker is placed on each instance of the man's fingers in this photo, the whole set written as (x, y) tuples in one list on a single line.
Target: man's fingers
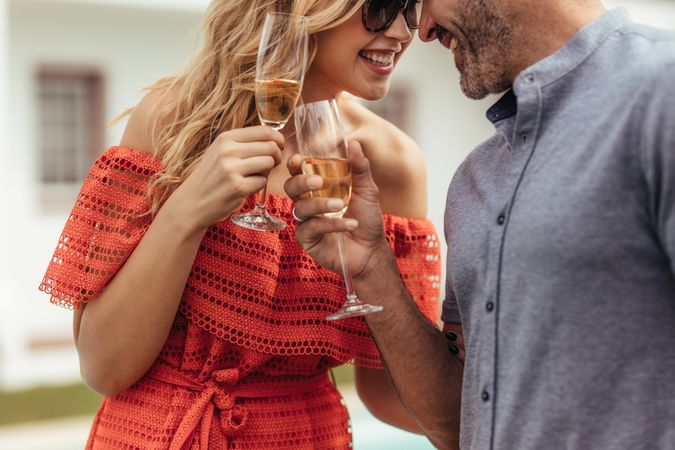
[(311, 232), (311, 207), (358, 161), (295, 164), (299, 186), (362, 178)]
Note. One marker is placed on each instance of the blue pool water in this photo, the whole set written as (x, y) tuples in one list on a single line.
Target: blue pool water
[(371, 434)]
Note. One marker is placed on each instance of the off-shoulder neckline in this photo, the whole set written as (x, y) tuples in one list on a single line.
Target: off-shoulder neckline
[(276, 197)]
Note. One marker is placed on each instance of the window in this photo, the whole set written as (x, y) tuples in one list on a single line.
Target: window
[(71, 124)]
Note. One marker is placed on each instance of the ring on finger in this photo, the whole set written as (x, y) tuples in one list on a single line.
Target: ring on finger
[(297, 219)]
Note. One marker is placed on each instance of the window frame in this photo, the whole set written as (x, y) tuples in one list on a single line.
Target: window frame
[(57, 195)]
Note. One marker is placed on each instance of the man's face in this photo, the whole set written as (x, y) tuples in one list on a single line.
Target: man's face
[(479, 35)]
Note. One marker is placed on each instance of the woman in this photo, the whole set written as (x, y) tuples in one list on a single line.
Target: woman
[(202, 334)]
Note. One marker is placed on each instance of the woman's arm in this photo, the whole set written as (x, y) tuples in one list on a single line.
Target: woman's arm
[(381, 399), (120, 334)]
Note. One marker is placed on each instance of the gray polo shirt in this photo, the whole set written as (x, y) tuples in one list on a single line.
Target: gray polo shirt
[(561, 251)]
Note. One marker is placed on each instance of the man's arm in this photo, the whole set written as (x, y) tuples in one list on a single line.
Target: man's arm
[(426, 374), (658, 158)]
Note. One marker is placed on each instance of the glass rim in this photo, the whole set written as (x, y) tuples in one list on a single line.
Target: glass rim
[(316, 103), (302, 111)]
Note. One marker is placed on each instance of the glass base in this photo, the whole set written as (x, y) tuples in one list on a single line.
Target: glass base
[(260, 220), (353, 310)]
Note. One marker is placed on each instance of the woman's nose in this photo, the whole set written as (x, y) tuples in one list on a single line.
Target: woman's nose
[(399, 29)]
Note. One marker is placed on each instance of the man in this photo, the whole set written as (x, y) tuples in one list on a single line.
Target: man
[(560, 231)]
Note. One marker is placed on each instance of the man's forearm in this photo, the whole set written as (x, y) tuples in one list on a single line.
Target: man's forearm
[(425, 373)]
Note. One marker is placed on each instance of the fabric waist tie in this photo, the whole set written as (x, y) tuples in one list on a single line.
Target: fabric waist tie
[(221, 391)]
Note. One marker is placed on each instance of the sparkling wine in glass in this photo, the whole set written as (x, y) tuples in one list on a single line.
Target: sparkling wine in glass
[(275, 101), (280, 71), (323, 146)]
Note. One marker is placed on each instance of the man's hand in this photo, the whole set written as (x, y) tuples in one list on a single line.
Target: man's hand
[(423, 369), (363, 229)]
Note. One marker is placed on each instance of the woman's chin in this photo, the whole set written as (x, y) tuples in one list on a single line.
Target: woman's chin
[(371, 93)]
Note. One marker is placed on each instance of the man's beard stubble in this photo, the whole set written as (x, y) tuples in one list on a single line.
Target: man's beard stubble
[(484, 68)]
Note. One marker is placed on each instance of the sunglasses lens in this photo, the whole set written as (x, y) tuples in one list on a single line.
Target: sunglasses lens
[(379, 14), (412, 14)]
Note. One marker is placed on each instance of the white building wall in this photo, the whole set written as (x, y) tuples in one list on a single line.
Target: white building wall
[(132, 47), (6, 332)]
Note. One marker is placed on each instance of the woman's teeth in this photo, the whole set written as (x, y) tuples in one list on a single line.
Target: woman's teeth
[(377, 58)]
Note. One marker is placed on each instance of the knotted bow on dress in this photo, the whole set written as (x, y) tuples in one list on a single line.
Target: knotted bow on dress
[(221, 391)]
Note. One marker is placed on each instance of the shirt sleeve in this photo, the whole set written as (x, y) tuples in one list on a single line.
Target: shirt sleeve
[(450, 312), (109, 218), (658, 153)]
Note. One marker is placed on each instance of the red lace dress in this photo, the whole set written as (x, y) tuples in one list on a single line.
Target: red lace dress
[(246, 363)]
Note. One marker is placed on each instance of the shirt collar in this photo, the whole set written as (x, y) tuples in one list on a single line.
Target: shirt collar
[(553, 67), (572, 54), (505, 107)]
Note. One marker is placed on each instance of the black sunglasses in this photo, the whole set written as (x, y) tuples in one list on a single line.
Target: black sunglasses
[(378, 15)]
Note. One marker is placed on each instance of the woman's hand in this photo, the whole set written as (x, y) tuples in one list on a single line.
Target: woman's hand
[(363, 229), (234, 166)]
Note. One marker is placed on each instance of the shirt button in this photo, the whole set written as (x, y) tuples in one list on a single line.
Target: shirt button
[(529, 79), (489, 306), (485, 396), (501, 220)]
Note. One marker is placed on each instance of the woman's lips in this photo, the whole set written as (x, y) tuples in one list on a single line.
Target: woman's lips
[(378, 61)]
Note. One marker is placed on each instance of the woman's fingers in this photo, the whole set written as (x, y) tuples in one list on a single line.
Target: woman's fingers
[(252, 134), (251, 185), (254, 149), (253, 166)]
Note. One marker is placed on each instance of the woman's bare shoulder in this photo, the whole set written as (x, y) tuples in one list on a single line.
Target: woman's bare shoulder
[(397, 162), (379, 134), (138, 133)]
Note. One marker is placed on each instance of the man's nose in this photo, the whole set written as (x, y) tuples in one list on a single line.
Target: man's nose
[(427, 29)]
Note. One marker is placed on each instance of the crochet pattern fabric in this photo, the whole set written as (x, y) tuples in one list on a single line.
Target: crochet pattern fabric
[(245, 365)]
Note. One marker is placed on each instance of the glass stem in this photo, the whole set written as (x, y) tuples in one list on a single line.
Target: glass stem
[(351, 295), (262, 195)]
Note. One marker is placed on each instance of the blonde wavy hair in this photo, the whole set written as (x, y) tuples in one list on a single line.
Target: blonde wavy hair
[(215, 91)]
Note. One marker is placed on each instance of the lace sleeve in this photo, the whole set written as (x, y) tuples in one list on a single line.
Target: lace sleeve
[(416, 247), (106, 223)]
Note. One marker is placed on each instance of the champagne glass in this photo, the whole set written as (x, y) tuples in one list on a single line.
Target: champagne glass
[(280, 71), (323, 146)]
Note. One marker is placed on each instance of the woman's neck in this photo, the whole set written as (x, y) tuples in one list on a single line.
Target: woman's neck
[(318, 87)]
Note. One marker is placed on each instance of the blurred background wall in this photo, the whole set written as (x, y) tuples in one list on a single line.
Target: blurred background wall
[(67, 67)]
